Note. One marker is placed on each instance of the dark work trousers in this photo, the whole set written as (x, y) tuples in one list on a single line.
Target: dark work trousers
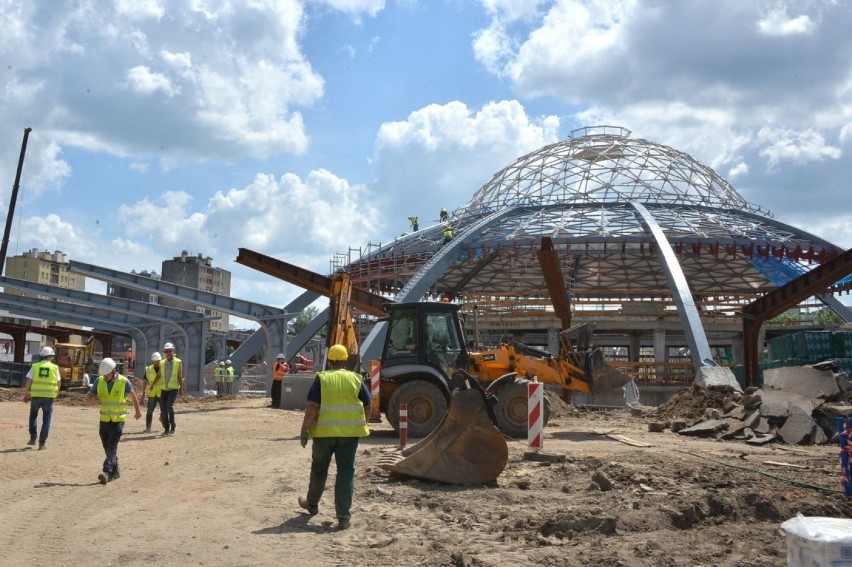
[(110, 432), (167, 409), (46, 406), (343, 450), (276, 393), (153, 402)]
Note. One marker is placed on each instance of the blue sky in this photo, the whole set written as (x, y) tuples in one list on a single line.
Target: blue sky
[(301, 128)]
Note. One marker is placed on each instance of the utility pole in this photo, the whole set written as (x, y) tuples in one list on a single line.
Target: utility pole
[(13, 200)]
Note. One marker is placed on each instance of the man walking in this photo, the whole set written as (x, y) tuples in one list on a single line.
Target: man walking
[(112, 389), (279, 370), (172, 386), (41, 389), (153, 379), (336, 417)]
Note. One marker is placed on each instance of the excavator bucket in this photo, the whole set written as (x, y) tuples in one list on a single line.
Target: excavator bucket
[(604, 378), (465, 448)]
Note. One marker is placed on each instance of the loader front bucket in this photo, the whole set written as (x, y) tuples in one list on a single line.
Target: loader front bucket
[(604, 378), (465, 448)]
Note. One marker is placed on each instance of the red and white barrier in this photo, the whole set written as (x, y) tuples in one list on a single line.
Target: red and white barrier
[(403, 425), (535, 403), (375, 372)]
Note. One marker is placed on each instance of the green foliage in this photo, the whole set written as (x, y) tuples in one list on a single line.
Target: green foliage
[(786, 319), (301, 320), (826, 317)]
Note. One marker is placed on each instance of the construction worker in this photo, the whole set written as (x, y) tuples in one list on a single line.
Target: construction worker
[(219, 374), (172, 386), (415, 224), (153, 379), (112, 389), (336, 417), (444, 215), (448, 234), (229, 378), (279, 370), (40, 389)]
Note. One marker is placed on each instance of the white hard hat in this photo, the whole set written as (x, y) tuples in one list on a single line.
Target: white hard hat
[(47, 351), (107, 365), (228, 361), (221, 364), (156, 357), (168, 346), (280, 355)]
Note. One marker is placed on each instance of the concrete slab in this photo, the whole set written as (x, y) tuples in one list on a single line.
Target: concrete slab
[(708, 427), (837, 410), (804, 380), (798, 427), (710, 376), (774, 403), (736, 412), (761, 440), (751, 418)]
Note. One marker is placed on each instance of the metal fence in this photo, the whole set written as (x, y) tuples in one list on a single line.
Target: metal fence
[(13, 374)]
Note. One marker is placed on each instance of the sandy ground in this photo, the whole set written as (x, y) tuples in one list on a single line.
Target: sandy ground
[(223, 490)]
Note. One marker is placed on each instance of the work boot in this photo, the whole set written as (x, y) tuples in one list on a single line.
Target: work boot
[(343, 523), (40, 446), (31, 441), (115, 476), (303, 503), (147, 430), (103, 478)]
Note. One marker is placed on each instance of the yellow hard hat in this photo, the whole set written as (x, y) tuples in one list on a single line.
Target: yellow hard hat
[(338, 353)]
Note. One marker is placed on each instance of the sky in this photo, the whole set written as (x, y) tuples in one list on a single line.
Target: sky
[(303, 128)]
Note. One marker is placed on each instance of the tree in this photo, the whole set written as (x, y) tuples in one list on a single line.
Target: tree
[(786, 319), (301, 320), (825, 317)]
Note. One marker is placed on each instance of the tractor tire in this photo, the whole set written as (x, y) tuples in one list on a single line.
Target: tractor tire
[(511, 409), (427, 406)]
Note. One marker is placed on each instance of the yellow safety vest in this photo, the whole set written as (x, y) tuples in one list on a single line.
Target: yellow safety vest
[(153, 390), (113, 402), (172, 383), (219, 373), (230, 370), (341, 413), (45, 380)]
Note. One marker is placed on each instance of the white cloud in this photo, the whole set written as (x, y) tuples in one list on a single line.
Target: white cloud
[(144, 81), (738, 170), (354, 7), (231, 75), (798, 147), (442, 154), (778, 23)]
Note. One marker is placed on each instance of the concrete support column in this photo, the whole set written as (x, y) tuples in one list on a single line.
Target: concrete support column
[(737, 350), (660, 354), (633, 347), (553, 341)]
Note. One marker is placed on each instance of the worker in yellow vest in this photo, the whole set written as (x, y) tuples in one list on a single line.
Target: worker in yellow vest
[(111, 391), (40, 389), (153, 379), (229, 378), (172, 387), (336, 418), (219, 374)]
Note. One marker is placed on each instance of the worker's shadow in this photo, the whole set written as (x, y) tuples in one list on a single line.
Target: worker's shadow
[(300, 523), (578, 436), (16, 450), (53, 484)]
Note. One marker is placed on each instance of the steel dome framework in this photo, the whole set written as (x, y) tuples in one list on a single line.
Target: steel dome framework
[(587, 194)]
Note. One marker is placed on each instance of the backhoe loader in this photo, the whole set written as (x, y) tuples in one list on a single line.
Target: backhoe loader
[(425, 360)]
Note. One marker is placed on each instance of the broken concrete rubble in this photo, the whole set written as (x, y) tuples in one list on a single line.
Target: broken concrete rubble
[(797, 405)]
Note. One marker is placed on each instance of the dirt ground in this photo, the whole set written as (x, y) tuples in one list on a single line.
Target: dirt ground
[(223, 489)]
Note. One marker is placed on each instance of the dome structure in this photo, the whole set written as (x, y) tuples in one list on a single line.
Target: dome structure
[(641, 231)]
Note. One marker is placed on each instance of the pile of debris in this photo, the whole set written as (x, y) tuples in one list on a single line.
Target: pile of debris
[(798, 405)]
